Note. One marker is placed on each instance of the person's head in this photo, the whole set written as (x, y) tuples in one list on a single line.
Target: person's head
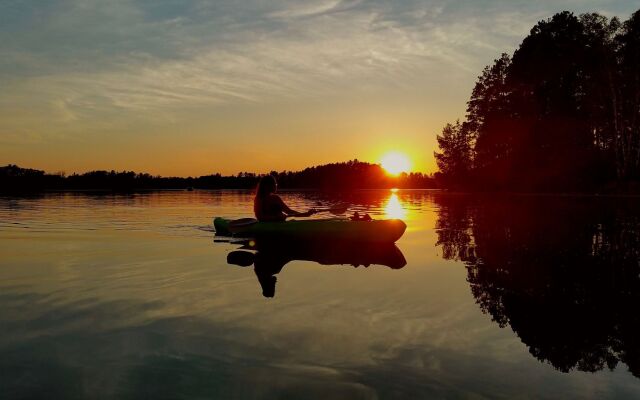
[(266, 186)]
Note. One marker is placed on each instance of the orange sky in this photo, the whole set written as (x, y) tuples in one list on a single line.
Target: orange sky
[(189, 88)]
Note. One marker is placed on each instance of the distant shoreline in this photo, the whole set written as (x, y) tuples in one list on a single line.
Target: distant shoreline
[(476, 194), (338, 176)]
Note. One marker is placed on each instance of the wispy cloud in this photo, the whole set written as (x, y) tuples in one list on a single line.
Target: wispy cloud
[(78, 59), (297, 10)]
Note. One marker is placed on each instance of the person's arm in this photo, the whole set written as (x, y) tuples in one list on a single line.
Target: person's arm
[(293, 213)]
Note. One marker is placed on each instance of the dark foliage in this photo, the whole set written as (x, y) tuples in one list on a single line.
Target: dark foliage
[(339, 176), (455, 160), (562, 113)]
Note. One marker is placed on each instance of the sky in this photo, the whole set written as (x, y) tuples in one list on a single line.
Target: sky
[(193, 87)]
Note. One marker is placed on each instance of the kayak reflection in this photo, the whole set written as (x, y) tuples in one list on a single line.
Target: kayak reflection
[(269, 257)]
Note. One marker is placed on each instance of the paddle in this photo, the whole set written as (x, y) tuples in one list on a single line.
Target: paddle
[(240, 258), (238, 224)]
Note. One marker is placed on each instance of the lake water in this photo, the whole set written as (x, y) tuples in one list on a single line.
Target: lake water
[(131, 296)]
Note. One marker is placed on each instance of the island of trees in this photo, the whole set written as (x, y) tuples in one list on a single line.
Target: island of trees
[(560, 114), (337, 176)]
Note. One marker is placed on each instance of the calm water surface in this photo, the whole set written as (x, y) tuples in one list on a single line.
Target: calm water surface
[(131, 296)]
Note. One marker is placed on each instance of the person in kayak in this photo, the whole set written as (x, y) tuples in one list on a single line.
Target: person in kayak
[(268, 206)]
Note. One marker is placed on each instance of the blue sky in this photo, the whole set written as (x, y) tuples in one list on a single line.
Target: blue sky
[(191, 87)]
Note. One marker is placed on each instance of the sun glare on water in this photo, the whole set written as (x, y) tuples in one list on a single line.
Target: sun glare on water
[(394, 208), (395, 163)]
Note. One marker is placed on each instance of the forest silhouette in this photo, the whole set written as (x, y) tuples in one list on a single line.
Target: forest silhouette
[(560, 114), (562, 272), (337, 176)]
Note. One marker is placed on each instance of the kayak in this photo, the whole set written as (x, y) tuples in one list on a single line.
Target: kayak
[(377, 231)]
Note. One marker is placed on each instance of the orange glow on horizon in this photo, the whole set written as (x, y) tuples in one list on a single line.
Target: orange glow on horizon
[(395, 163)]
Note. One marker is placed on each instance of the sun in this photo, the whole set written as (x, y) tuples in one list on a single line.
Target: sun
[(395, 163)]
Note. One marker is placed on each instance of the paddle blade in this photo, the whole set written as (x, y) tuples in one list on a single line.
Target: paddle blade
[(340, 209), (240, 258), (336, 210)]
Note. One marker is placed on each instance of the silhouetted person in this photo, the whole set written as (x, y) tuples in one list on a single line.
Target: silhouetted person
[(268, 206), (266, 266)]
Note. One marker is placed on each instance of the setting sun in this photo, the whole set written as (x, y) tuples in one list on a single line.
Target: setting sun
[(395, 163)]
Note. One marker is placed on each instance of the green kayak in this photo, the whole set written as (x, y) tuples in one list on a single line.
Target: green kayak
[(377, 231)]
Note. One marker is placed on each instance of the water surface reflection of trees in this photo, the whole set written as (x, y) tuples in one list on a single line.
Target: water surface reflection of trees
[(563, 273)]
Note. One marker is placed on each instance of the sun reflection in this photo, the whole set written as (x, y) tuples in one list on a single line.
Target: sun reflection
[(393, 208)]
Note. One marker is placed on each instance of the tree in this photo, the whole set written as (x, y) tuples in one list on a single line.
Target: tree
[(625, 96), (455, 160), (489, 118)]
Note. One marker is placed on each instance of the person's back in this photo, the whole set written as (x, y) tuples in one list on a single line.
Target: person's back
[(268, 206)]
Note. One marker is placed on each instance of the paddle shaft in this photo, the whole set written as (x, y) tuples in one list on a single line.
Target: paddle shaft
[(334, 210)]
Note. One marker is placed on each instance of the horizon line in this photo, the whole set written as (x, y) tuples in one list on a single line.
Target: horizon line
[(209, 174)]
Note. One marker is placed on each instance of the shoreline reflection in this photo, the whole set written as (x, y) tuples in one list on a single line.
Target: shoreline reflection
[(269, 257), (564, 274)]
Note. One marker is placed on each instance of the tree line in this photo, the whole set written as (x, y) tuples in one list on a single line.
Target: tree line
[(561, 113), (337, 176)]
